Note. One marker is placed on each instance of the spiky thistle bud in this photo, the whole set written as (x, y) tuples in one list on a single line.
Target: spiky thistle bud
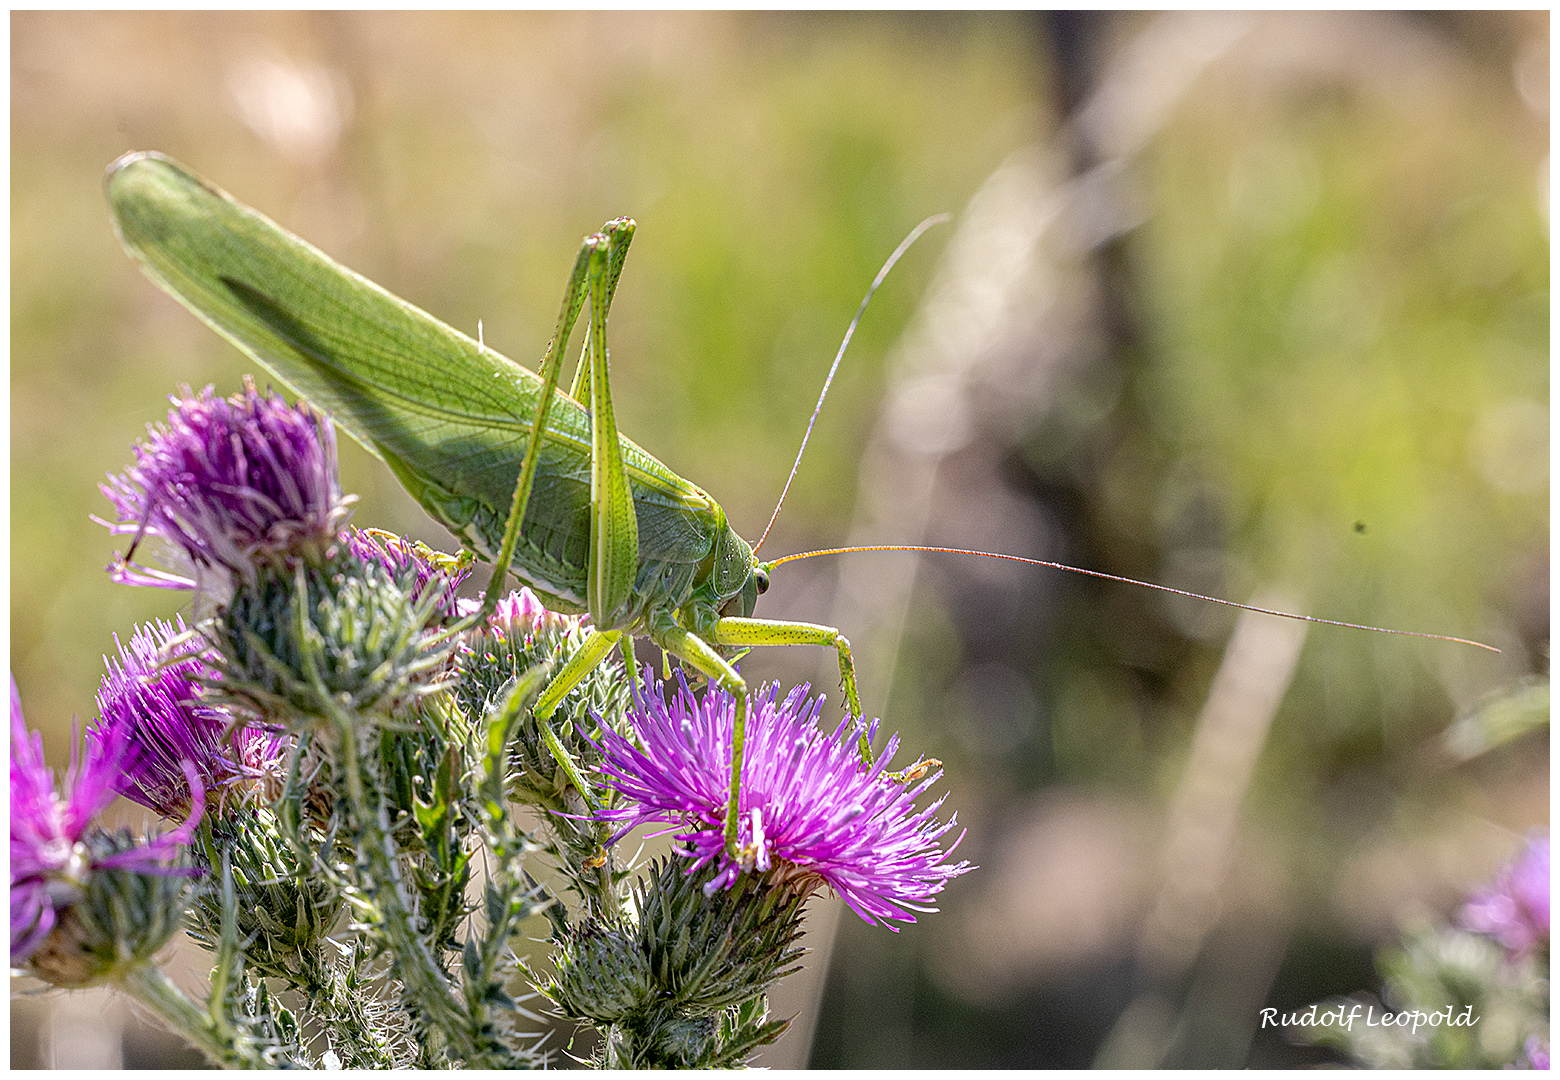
[(345, 634), (282, 913), (675, 987)]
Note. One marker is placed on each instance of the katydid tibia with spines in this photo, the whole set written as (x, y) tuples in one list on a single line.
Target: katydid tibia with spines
[(531, 477)]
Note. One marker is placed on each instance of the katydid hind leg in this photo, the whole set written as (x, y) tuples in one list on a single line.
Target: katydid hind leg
[(613, 560), (619, 233), (574, 297)]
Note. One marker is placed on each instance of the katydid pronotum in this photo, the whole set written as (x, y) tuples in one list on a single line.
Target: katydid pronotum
[(587, 519)]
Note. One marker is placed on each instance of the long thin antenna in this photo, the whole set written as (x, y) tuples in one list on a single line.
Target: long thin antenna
[(1134, 581), (904, 245)]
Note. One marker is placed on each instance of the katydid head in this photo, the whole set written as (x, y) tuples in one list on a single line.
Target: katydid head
[(739, 577), (753, 586)]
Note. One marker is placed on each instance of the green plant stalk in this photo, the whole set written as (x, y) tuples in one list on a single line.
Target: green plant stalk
[(463, 1018), (505, 904), (424, 981), (588, 865), (386, 904), (220, 1042), (359, 1039)]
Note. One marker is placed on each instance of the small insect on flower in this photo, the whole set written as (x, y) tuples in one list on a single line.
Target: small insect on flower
[(149, 701), (435, 573), (57, 847), (810, 813), (229, 483)]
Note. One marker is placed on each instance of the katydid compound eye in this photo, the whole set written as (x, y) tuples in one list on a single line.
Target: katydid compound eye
[(762, 578)]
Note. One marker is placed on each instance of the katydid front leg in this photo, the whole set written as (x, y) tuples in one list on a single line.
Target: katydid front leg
[(747, 632), (740, 631)]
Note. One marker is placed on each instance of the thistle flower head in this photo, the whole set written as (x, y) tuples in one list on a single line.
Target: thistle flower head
[(1537, 1051), (809, 809), (230, 482), (1514, 909), (149, 701), (434, 572), (521, 617), (57, 849)]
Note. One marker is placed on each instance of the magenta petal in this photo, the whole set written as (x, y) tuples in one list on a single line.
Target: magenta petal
[(1514, 909), (149, 701), (806, 801), (47, 829)]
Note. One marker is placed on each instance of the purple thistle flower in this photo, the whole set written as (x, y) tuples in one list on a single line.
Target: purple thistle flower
[(148, 701), (522, 616), (50, 864), (809, 810), (1514, 909), (397, 555), (229, 482), (1537, 1051)]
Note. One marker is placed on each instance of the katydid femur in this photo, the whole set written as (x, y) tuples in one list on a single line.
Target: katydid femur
[(532, 478)]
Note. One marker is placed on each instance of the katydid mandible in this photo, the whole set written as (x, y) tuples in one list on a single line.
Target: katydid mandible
[(581, 514)]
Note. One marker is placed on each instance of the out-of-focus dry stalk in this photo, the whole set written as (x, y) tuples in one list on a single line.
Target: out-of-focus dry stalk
[(1008, 310), (1014, 303), (995, 289), (1200, 830)]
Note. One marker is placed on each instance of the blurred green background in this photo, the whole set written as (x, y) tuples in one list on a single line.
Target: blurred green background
[(1248, 305)]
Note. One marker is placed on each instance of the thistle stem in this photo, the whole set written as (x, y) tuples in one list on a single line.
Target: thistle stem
[(433, 996), (358, 1037), (425, 983), (222, 1043)]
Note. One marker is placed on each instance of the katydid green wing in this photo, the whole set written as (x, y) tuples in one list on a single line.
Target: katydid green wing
[(450, 418)]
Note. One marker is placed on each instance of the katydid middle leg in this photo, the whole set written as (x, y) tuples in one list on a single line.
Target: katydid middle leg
[(693, 650), (591, 652)]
